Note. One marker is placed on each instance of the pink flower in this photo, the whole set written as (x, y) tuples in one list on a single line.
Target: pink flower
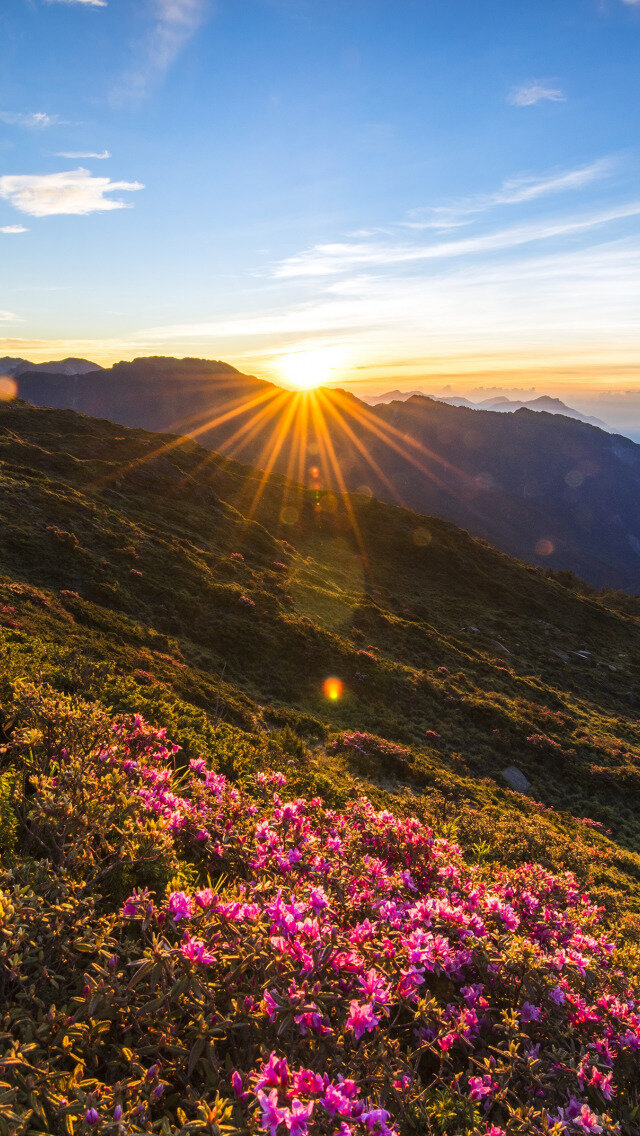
[(195, 951), (180, 905), (361, 1019), (603, 1082), (205, 897), (375, 1121), (481, 1087), (587, 1120), (275, 1073), (374, 986), (272, 1116), (238, 1088), (297, 1116)]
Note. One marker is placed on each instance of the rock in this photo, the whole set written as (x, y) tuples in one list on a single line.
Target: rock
[(516, 779), (560, 655)]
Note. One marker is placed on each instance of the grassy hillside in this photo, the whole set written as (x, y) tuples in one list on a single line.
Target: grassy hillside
[(549, 489), (142, 575), (135, 565)]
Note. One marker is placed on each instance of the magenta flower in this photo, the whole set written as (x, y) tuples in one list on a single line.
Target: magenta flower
[(375, 1121), (481, 1087), (272, 1116), (361, 1019), (92, 1116), (297, 1116), (180, 905)]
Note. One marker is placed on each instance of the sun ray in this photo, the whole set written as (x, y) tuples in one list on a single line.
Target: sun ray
[(348, 504), (360, 446), (278, 436), (253, 424), (179, 440), (386, 433)]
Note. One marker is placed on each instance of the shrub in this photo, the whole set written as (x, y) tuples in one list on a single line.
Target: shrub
[(307, 970)]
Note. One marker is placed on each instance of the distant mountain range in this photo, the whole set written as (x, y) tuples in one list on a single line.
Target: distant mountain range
[(546, 487), (500, 403), (16, 367)]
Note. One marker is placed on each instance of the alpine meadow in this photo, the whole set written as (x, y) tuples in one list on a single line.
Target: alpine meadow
[(319, 568)]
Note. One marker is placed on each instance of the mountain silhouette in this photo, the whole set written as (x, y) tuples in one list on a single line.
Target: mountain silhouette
[(544, 487)]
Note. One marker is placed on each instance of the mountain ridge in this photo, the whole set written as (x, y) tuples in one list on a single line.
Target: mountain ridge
[(550, 489)]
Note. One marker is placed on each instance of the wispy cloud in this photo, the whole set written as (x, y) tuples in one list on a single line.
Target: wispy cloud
[(87, 3), (514, 191), (78, 154), (334, 259), (33, 120), (586, 296), (8, 317), (74, 192), (11, 229), (528, 94), (174, 24)]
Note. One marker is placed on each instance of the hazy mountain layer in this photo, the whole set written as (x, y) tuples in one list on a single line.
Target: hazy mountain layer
[(541, 486)]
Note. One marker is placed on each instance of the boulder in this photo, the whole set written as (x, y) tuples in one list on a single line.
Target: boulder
[(516, 779)]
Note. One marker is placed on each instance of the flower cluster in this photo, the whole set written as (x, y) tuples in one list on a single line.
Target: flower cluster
[(326, 973)]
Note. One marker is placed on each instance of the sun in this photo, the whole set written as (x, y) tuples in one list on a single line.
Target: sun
[(307, 369)]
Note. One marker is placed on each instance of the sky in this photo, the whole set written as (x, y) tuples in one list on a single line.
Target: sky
[(432, 194)]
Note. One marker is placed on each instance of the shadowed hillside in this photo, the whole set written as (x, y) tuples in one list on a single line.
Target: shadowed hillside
[(171, 763), (540, 486), (140, 554)]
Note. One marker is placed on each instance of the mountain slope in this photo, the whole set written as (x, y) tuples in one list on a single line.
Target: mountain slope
[(543, 487), (17, 367), (141, 540), (170, 917)]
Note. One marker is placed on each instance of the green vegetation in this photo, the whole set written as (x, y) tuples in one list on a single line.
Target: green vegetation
[(129, 573), (143, 575)]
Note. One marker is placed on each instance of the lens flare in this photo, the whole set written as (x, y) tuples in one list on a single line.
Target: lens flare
[(544, 547), (333, 689), (8, 388)]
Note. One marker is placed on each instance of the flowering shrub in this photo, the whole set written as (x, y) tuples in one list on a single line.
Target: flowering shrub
[(368, 749), (309, 972)]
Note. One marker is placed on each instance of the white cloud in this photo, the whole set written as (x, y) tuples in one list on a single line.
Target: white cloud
[(175, 22), (88, 3), (78, 154), (334, 259), (34, 120), (528, 94), (8, 317), (76, 191), (589, 296), (514, 191), (13, 229)]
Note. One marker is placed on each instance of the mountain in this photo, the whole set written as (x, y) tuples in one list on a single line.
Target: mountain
[(456, 400), (16, 367), (547, 488), (500, 402), (390, 396), (543, 402), (209, 856)]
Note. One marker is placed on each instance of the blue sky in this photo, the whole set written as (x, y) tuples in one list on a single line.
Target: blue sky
[(425, 189)]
